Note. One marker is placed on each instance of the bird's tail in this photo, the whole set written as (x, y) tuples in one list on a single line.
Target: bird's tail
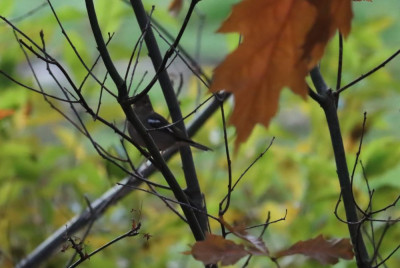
[(197, 145)]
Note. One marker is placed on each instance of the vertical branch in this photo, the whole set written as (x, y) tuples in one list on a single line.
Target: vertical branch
[(327, 103), (222, 211), (340, 62), (193, 188), (157, 159), (340, 65), (101, 45)]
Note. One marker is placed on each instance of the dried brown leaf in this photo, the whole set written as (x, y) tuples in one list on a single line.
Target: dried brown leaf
[(256, 244), (283, 40), (322, 250), (216, 249)]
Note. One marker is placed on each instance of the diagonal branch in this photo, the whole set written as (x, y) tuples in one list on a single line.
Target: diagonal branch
[(109, 198)]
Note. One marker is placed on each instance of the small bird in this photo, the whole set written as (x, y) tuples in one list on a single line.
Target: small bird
[(164, 137)]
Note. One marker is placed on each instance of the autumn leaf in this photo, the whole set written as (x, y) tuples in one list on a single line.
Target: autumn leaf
[(283, 40), (216, 249), (256, 245), (175, 7), (5, 112), (324, 251)]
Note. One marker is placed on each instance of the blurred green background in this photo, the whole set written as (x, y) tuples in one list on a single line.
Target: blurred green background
[(47, 166)]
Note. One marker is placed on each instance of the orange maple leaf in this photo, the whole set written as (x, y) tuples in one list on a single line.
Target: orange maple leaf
[(283, 40)]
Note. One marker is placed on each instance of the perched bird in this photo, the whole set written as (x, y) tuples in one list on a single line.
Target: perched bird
[(164, 137)]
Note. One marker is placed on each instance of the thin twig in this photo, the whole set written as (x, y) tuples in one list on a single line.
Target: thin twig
[(71, 44), (138, 43), (9, 77), (170, 51), (266, 224), (222, 211), (340, 65), (193, 62), (87, 231), (29, 13), (205, 80), (101, 95), (253, 162), (369, 73), (133, 232), (169, 199)]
